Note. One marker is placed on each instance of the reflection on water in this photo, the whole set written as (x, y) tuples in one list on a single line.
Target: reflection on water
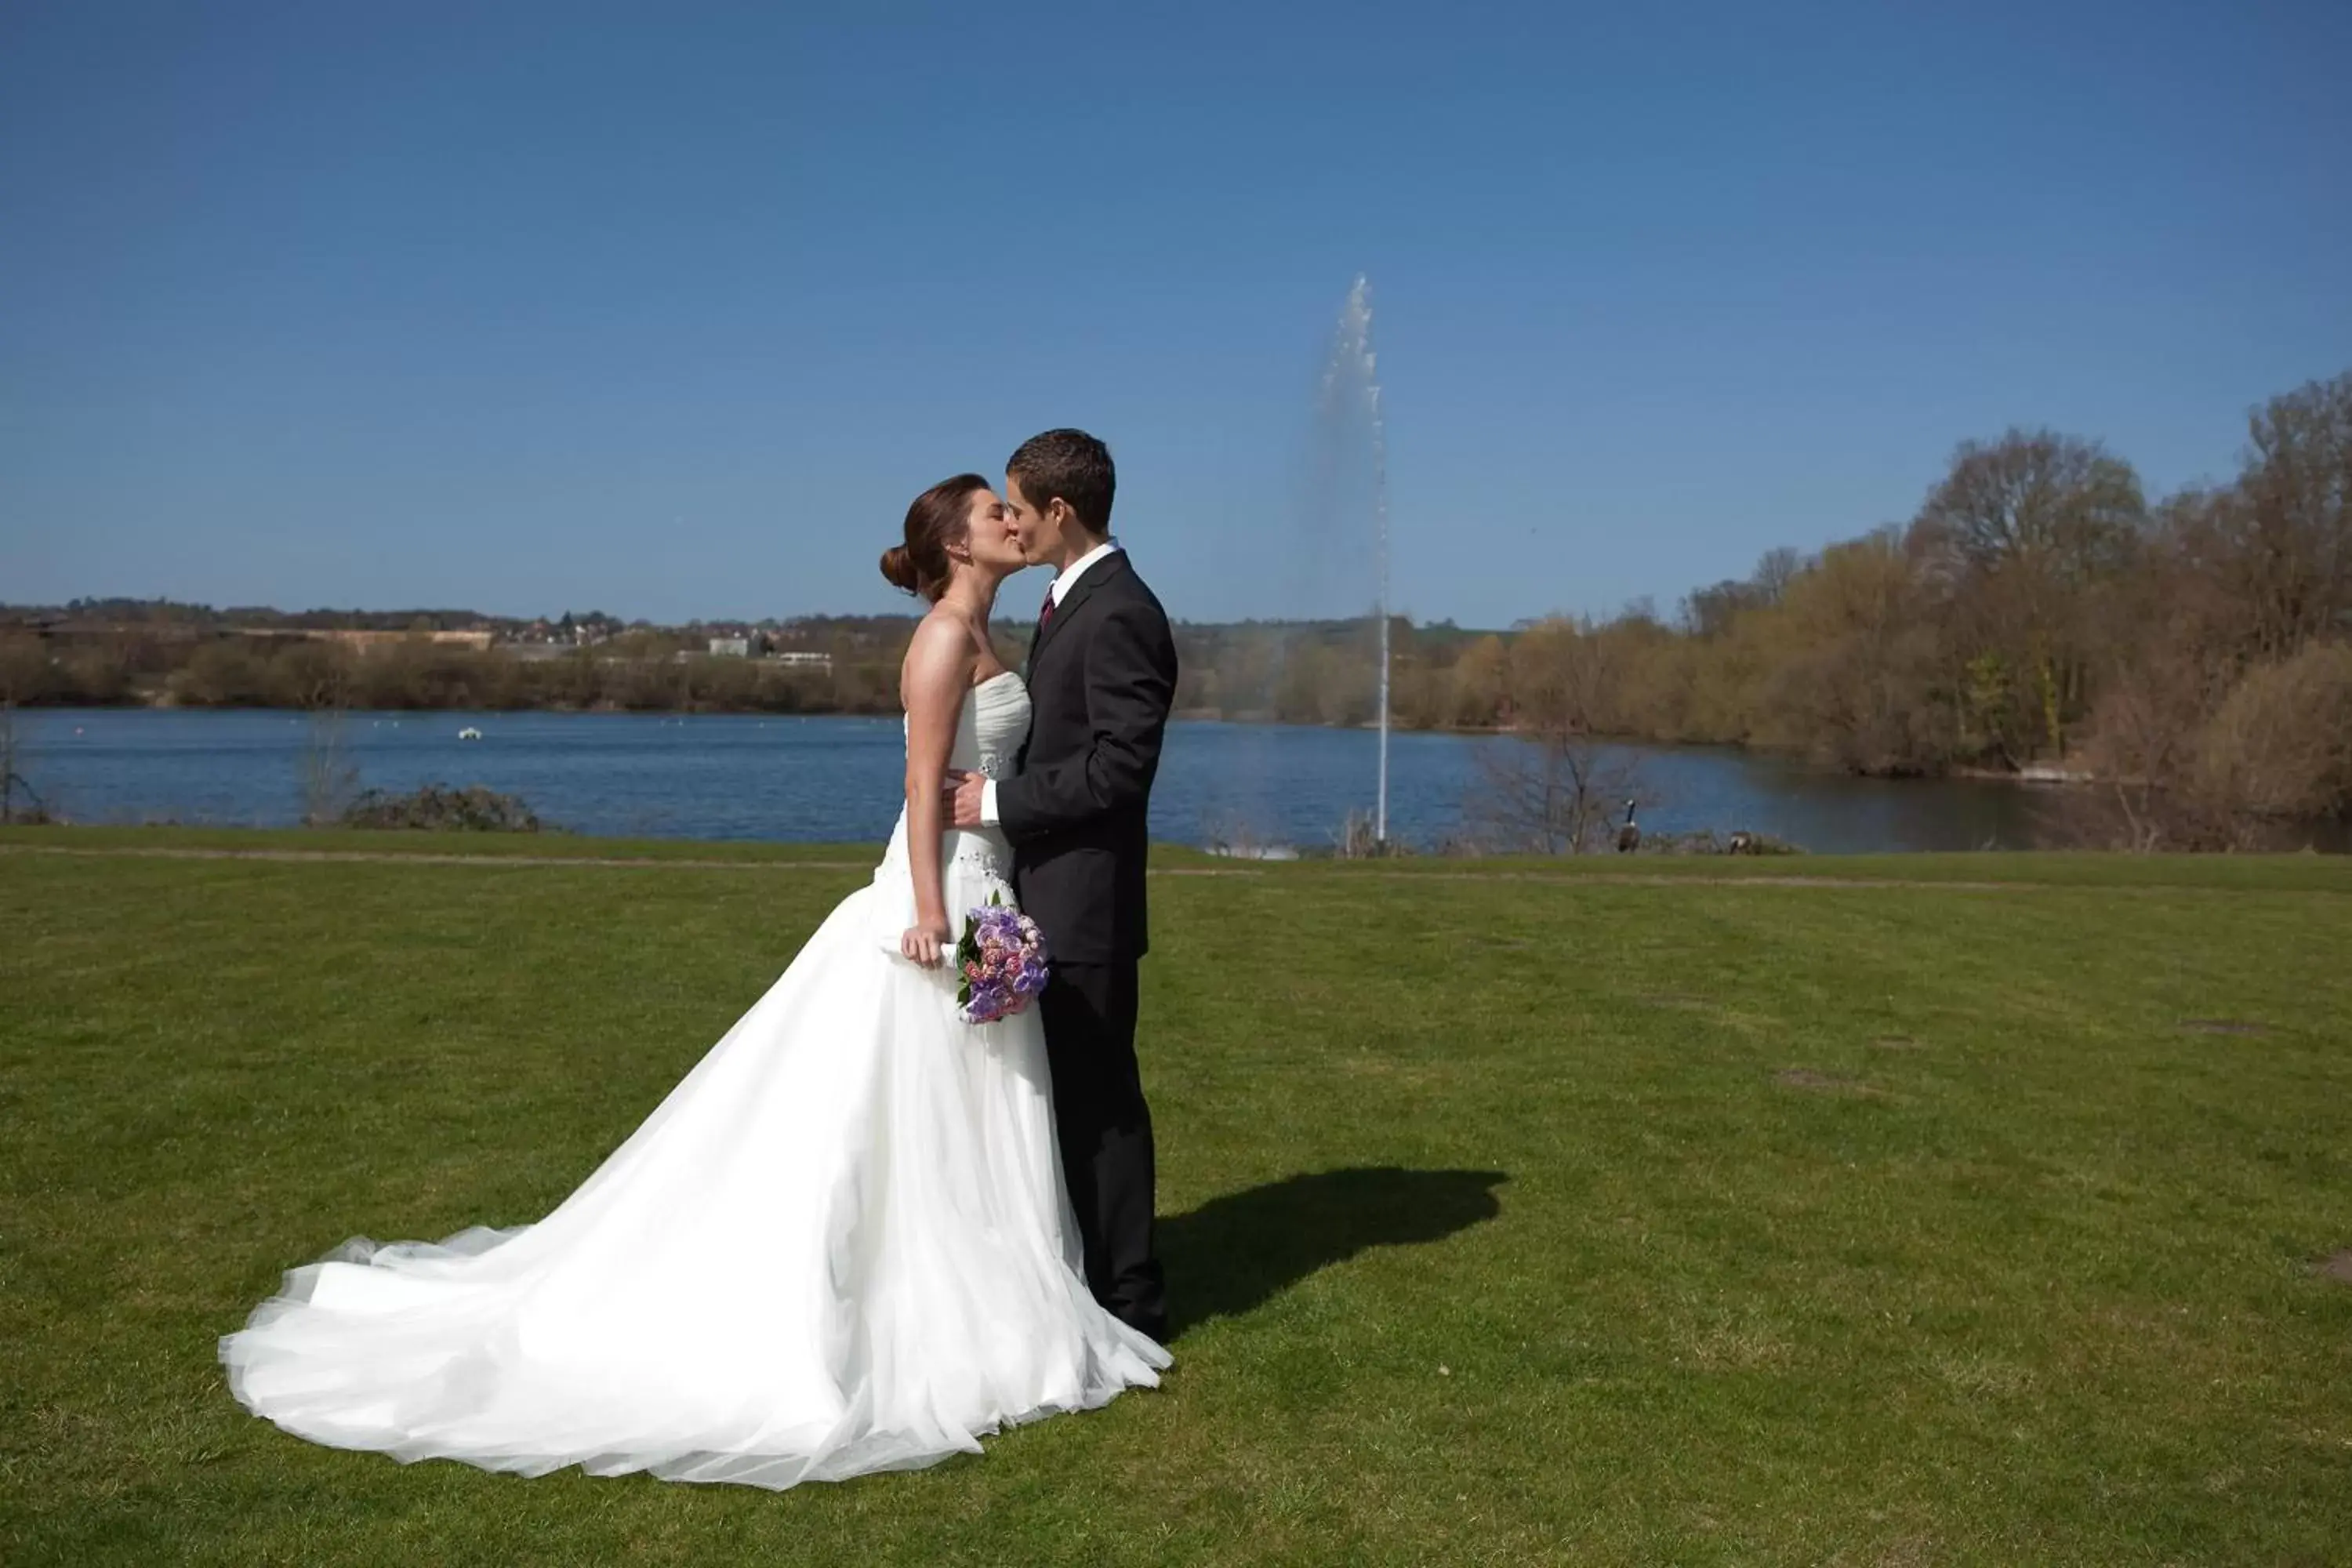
[(838, 779), (1296, 785)]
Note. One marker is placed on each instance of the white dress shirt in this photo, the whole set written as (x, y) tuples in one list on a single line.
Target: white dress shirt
[(1063, 581)]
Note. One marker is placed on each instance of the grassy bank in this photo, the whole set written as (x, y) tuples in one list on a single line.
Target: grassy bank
[(1953, 1209)]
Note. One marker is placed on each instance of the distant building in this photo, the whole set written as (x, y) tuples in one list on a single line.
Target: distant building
[(797, 660), (730, 647)]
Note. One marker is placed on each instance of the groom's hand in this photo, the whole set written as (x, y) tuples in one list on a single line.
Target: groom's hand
[(963, 798)]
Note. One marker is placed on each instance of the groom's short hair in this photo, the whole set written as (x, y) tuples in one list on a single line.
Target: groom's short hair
[(1072, 465)]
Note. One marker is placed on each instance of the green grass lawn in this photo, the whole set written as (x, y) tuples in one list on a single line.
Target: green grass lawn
[(1927, 1211)]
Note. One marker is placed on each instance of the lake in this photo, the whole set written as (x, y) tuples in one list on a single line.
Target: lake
[(832, 779)]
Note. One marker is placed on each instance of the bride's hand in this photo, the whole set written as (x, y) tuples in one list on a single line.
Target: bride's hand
[(924, 941)]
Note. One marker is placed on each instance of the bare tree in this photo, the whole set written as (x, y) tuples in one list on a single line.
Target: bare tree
[(2056, 502), (1481, 681), (1777, 569), (1553, 786), (2281, 539), (2021, 537), (2144, 743), (1708, 614), (1552, 793), (2182, 768), (321, 675), (1851, 662), (13, 783), (1354, 840), (25, 672)]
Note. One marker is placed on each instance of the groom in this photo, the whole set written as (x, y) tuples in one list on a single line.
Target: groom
[(1101, 675)]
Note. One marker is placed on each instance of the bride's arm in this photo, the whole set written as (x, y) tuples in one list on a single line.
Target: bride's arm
[(933, 685)]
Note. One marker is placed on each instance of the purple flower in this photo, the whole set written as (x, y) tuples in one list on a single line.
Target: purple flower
[(1001, 958)]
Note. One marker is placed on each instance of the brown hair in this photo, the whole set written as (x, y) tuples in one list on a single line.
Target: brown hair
[(936, 519), (1072, 465)]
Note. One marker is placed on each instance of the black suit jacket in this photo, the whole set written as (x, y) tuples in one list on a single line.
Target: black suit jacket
[(1101, 676)]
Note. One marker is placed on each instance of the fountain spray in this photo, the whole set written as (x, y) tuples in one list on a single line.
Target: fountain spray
[(1353, 376)]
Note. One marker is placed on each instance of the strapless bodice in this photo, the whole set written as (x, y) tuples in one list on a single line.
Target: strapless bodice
[(989, 732)]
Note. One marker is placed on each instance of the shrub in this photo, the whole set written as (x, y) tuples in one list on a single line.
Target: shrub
[(2280, 745), (438, 808)]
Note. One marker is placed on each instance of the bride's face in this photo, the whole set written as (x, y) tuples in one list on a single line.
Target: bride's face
[(1038, 531), (989, 537)]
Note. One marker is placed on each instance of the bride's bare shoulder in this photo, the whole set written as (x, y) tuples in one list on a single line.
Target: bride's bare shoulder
[(939, 661), (943, 635)]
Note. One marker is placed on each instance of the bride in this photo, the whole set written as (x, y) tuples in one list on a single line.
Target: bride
[(842, 1243)]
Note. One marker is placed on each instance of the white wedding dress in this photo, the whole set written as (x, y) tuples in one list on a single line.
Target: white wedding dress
[(841, 1245)]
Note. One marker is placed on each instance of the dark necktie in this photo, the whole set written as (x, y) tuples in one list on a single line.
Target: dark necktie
[(1046, 615)]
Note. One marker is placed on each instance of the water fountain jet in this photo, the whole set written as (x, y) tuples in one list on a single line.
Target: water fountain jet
[(1351, 382)]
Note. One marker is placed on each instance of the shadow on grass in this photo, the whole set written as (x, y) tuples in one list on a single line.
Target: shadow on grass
[(1238, 1252)]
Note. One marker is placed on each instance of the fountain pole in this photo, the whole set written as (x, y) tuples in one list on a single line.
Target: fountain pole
[(1380, 524), (1360, 309)]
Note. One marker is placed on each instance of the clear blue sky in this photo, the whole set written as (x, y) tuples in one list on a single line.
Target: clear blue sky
[(670, 309)]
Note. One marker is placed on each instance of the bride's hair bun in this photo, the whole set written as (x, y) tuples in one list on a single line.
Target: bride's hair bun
[(937, 518)]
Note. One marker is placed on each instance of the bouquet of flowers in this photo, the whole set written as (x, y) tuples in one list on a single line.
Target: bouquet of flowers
[(1004, 963)]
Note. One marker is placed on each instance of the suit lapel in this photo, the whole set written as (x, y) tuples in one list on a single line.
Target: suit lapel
[(1082, 590)]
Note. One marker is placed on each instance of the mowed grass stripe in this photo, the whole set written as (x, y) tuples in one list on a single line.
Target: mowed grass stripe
[(1980, 872)]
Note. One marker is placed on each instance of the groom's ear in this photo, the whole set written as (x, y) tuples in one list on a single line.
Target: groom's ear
[(1068, 523)]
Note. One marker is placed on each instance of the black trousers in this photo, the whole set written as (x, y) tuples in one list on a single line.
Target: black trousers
[(1105, 1127)]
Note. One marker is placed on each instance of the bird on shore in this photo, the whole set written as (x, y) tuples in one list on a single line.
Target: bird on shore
[(1629, 836)]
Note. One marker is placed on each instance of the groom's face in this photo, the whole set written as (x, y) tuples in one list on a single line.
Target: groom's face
[(1037, 528)]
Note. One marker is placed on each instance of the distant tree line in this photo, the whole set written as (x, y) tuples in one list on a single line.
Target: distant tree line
[(2039, 612), (199, 662), (2191, 656)]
